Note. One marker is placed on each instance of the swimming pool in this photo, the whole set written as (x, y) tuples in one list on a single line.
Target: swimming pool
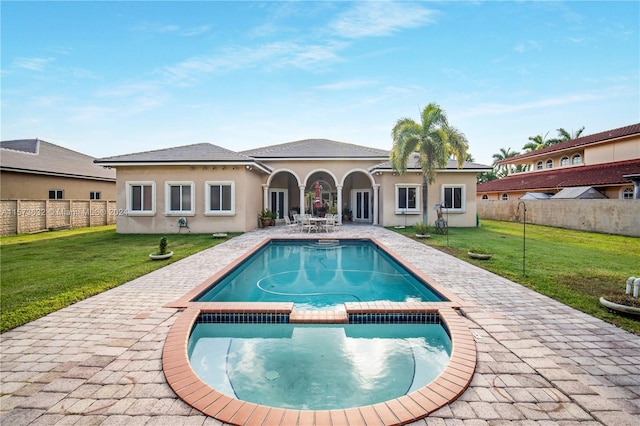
[(259, 319), (318, 367), (319, 275)]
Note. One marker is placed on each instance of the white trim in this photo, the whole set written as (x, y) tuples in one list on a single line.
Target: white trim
[(399, 210), (207, 198), (129, 210), (167, 198), (463, 199), (185, 163), (622, 192)]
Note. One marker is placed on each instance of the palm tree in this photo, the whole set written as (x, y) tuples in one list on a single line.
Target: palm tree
[(566, 136), (502, 169), (433, 139), (537, 142)]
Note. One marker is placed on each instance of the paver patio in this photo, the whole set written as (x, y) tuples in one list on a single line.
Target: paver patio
[(539, 361)]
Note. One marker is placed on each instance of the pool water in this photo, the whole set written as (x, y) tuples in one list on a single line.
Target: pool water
[(318, 367), (320, 275)]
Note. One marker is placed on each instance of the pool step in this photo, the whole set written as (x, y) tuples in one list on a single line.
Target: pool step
[(322, 317)]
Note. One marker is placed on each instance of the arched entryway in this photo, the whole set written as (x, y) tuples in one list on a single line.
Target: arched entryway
[(360, 197), (321, 195), (281, 194)]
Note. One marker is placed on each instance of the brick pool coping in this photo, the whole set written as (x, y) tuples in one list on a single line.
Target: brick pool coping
[(450, 384), (187, 299)]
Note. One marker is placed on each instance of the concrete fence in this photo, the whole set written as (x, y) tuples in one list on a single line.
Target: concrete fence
[(28, 216), (621, 217)]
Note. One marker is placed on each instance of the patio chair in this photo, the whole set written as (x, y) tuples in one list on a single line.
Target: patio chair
[(291, 226), (307, 224), (329, 225)]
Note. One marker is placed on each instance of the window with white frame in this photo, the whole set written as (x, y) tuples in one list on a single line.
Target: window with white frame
[(627, 194), (485, 197), (56, 194), (564, 161), (549, 164), (505, 197), (220, 198), (179, 197), (141, 198), (407, 198), (453, 197), (539, 165), (576, 159), (95, 195)]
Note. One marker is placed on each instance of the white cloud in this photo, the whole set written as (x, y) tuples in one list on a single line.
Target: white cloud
[(269, 56), (527, 46), (373, 19), (161, 28), (484, 109), (347, 85), (33, 64), (156, 27), (194, 31)]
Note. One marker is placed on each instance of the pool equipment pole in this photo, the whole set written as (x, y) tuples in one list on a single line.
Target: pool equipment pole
[(524, 234), (636, 286)]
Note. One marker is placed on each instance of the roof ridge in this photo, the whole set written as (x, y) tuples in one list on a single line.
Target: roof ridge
[(619, 132), (300, 144)]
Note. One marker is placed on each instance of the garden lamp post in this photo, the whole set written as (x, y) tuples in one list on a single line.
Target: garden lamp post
[(524, 233)]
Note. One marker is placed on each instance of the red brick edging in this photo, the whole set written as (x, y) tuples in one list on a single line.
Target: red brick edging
[(450, 384)]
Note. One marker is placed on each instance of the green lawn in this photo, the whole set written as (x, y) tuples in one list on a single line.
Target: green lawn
[(574, 267), (41, 273), (44, 272)]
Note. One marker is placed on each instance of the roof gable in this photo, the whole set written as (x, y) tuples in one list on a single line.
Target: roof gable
[(196, 153), (316, 149), (41, 157)]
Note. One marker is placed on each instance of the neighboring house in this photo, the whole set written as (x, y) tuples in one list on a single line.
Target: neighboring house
[(208, 188), (32, 169), (608, 162)]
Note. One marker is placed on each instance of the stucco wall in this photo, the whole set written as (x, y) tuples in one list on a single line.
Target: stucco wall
[(25, 216), (615, 151), (434, 196), (248, 199), (24, 186), (607, 216)]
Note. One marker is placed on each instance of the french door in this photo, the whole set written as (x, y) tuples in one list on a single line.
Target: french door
[(361, 205), (278, 202)]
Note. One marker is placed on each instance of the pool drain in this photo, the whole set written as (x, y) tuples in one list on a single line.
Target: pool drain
[(272, 375)]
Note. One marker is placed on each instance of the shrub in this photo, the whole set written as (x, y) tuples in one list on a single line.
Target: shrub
[(162, 248), (422, 228)]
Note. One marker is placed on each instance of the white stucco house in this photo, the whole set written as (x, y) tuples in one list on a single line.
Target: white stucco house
[(209, 188)]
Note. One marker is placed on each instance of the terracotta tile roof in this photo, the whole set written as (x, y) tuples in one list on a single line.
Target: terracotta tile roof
[(314, 149), (41, 157), (621, 132), (196, 153), (595, 175)]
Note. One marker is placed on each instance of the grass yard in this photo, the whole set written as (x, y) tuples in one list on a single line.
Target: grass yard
[(573, 267), (42, 273)]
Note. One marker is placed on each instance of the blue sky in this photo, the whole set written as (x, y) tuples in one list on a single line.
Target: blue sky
[(109, 78)]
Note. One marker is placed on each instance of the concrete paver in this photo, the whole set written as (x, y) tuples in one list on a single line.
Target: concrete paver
[(98, 362)]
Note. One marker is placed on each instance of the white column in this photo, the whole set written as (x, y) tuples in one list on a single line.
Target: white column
[(302, 206), (265, 196), (376, 189), (339, 191)]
